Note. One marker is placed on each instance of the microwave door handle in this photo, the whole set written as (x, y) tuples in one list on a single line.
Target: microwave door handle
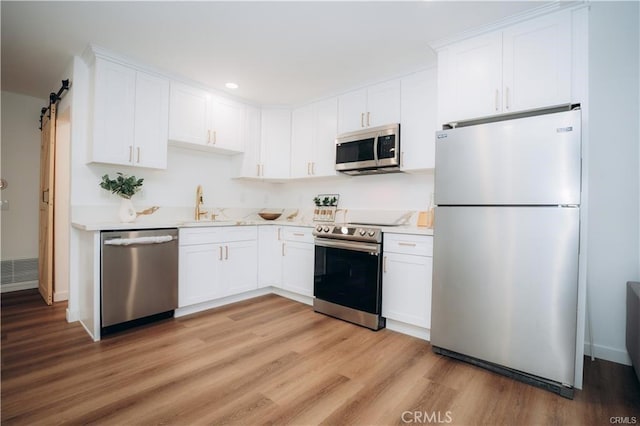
[(375, 149)]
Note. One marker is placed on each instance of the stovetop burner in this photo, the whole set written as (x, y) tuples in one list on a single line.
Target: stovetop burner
[(353, 232)]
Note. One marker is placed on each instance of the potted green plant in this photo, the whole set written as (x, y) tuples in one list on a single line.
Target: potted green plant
[(124, 186)]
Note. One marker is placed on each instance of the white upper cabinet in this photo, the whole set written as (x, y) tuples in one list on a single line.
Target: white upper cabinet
[(189, 114), (203, 121), (537, 63), (301, 141), (275, 144), (470, 78), (314, 130), (267, 133), (151, 121), (376, 105), (248, 164), (227, 123), (525, 66), (419, 120), (130, 116)]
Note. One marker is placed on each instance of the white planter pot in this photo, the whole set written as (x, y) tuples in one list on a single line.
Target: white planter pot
[(126, 213)]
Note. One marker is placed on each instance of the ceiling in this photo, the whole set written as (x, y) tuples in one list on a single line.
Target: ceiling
[(278, 52)]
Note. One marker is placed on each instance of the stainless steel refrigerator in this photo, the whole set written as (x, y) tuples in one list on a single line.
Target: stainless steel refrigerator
[(506, 245)]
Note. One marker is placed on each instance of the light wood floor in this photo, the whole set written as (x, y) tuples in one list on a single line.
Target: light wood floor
[(268, 361)]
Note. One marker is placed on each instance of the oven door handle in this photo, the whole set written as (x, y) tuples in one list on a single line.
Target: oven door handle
[(349, 245)]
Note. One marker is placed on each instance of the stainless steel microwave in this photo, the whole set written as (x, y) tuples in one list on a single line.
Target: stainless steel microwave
[(370, 151)]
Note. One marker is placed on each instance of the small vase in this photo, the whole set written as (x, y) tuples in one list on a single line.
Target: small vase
[(126, 213)]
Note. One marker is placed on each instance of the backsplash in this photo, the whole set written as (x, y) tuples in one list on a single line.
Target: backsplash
[(176, 186)]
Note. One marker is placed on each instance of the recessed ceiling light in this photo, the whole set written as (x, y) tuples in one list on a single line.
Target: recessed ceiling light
[(231, 86)]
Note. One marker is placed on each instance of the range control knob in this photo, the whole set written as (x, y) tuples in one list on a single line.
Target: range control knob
[(372, 233), (319, 228), (362, 232), (326, 229)]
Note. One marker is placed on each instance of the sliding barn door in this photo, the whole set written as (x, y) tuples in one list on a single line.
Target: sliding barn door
[(47, 169)]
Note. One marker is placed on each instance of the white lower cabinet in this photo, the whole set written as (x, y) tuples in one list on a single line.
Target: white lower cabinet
[(406, 279), (241, 266), (269, 257), (297, 251), (199, 274), (216, 262)]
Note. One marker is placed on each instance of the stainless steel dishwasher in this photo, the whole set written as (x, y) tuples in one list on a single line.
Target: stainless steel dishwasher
[(139, 276)]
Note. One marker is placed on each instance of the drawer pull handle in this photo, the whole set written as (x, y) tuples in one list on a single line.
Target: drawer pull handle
[(220, 258), (407, 244), (384, 264), (283, 249), (298, 234), (226, 252)]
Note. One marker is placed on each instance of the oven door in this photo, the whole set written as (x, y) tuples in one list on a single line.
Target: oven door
[(347, 273)]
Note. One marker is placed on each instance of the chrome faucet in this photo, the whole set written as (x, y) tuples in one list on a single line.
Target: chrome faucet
[(200, 211)]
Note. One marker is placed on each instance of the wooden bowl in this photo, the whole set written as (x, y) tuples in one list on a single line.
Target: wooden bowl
[(269, 216)]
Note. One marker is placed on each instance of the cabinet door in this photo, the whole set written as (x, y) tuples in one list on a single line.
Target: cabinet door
[(151, 121), (474, 75), (276, 143), (199, 270), (352, 108), (248, 164), (113, 113), (325, 124), (406, 289), (419, 120), (302, 130), (269, 256), (383, 104), (297, 267), (537, 63), (227, 123), (189, 114), (241, 266)]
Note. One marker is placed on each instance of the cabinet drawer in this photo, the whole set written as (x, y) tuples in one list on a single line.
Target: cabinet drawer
[(240, 233), (217, 234), (204, 235), (420, 245), (299, 234)]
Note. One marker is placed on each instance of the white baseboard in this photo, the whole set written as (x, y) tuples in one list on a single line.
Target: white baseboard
[(307, 300), (60, 296), (621, 356), (72, 316), (6, 288), (188, 310), (409, 329)]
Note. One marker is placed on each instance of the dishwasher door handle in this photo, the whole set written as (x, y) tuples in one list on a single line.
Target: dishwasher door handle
[(139, 240)]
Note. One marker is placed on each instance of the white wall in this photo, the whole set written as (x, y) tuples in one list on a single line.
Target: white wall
[(398, 191), (21, 169), (614, 182)]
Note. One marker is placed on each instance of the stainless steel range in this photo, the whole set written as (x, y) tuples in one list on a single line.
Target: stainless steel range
[(348, 274)]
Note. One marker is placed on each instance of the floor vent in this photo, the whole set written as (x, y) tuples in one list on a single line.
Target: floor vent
[(19, 271)]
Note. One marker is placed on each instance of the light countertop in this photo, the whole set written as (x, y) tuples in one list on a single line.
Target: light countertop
[(156, 224)]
